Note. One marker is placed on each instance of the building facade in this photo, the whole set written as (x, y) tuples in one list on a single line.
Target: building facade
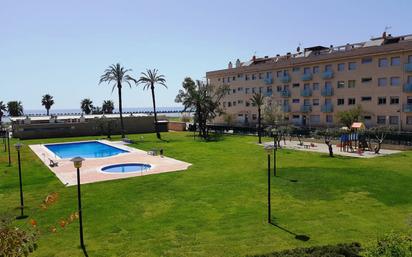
[(311, 86)]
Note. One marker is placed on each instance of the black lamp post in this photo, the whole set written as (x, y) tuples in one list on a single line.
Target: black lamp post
[(8, 145), (269, 149), (22, 216), (77, 161)]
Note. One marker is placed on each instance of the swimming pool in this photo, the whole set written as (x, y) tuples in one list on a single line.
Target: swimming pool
[(126, 168), (89, 149)]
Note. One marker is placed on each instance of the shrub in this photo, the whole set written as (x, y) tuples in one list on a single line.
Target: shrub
[(391, 245), (340, 250)]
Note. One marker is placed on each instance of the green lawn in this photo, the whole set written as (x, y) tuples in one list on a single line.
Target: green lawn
[(218, 206)]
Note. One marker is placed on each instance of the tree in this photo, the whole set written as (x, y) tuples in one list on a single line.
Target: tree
[(15, 108), (47, 101), (117, 75), (86, 105), (258, 101), (272, 113), (347, 118), (379, 133), (150, 79), (108, 106), (204, 100), (3, 109)]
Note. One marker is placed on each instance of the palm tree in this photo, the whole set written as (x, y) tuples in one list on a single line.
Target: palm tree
[(117, 75), (3, 109), (47, 101), (86, 105), (149, 79), (15, 108), (108, 106), (258, 100)]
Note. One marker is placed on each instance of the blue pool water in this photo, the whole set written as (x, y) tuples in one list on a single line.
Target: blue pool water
[(92, 149), (127, 167)]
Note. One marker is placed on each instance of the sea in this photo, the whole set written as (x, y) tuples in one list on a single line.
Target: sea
[(168, 111)]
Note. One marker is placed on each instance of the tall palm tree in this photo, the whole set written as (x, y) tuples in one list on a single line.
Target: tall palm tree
[(47, 101), (150, 79), (3, 109), (86, 105), (108, 106), (15, 108), (117, 75), (258, 100)]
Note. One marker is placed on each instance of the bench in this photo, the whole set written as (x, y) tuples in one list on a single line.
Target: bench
[(306, 146)]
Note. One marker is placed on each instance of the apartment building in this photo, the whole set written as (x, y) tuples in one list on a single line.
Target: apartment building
[(312, 85)]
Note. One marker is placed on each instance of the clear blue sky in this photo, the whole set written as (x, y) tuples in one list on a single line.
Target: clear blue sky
[(62, 47)]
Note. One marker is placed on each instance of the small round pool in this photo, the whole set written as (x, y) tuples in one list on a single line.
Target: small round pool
[(126, 168)]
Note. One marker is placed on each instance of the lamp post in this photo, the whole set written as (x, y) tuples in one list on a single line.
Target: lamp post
[(77, 162), (22, 216), (269, 150), (275, 147), (8, 145)]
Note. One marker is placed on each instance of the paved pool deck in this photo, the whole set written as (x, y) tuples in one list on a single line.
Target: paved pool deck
[(91, 169), (323, 148)]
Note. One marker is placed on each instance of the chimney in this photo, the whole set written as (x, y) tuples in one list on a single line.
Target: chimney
[(254, 58), (384, 35), (298, 49), (230, 65), (237, 63)]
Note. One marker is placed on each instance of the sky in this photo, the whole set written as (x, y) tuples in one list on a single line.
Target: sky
[(62, 47)]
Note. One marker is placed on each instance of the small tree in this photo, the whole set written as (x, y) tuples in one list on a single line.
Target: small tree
[(347, 118), (272, 113), (258, 101), (3, 109), (379, 134), (86, 105), (47, 101), (15, 108)]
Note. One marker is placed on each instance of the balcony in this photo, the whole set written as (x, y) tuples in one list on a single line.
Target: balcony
[(306, 92), (305, 108), (327, 74), (285, 78), (327, 108), (327, 92), (408, 67), (285, 93), (407, 107), (407, 88), (267, 93), (286, 108), (268, 81), (307, 76)]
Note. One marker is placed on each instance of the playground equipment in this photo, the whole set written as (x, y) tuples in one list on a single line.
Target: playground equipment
[(353, 139)]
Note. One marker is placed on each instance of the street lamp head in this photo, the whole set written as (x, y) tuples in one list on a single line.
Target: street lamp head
[(269, 149), (77, 162), (18, 146)]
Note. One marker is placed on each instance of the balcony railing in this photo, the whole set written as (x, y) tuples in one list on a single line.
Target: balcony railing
[(407, 88), (285, 93), (305, 108), (327, 108), (286, 108), (407, 107), (285, 78), (327, 92), (306, 92), (408, 67), (327, 74), (307, 76), (268, 81)]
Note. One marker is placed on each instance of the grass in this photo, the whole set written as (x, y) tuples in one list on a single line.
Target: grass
[(218, 206)]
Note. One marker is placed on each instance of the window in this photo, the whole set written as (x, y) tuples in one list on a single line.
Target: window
[(410, 60), (366, 98), (352, 66), (279, 88), (233, 91), (228, 79), (240, 101), (341, 67), (328, 84), (341, 101), (351, 101), (315, 86), (381, 100), (409, 120), (351, 83), (395, 81), (382, 82), (383, 62), (295, 85), (367, 118), (381, 119), (234, 103), (279, 74), (329, 118), (260, 75), (295, 117), (409, 79), (254, 117), (295, 69), (394, 100), (328, 67), (247, 104), (393, 120), (268, 74), (366, 80), (224, 104), (341, 84), (314, 119), (260, 89), (253, 90), (247, 90), (366, 60), (269, 90), (316, 69), (253, 76), (229, 104), (306, 70), (218, 79), (306, 102), (395, 61), (233, 78), (240, 89), (295, 101), (223, 80), (246, 77), (315, 102)]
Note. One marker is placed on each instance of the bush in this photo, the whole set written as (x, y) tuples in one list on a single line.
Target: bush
[(392, 245), (340, 250)]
